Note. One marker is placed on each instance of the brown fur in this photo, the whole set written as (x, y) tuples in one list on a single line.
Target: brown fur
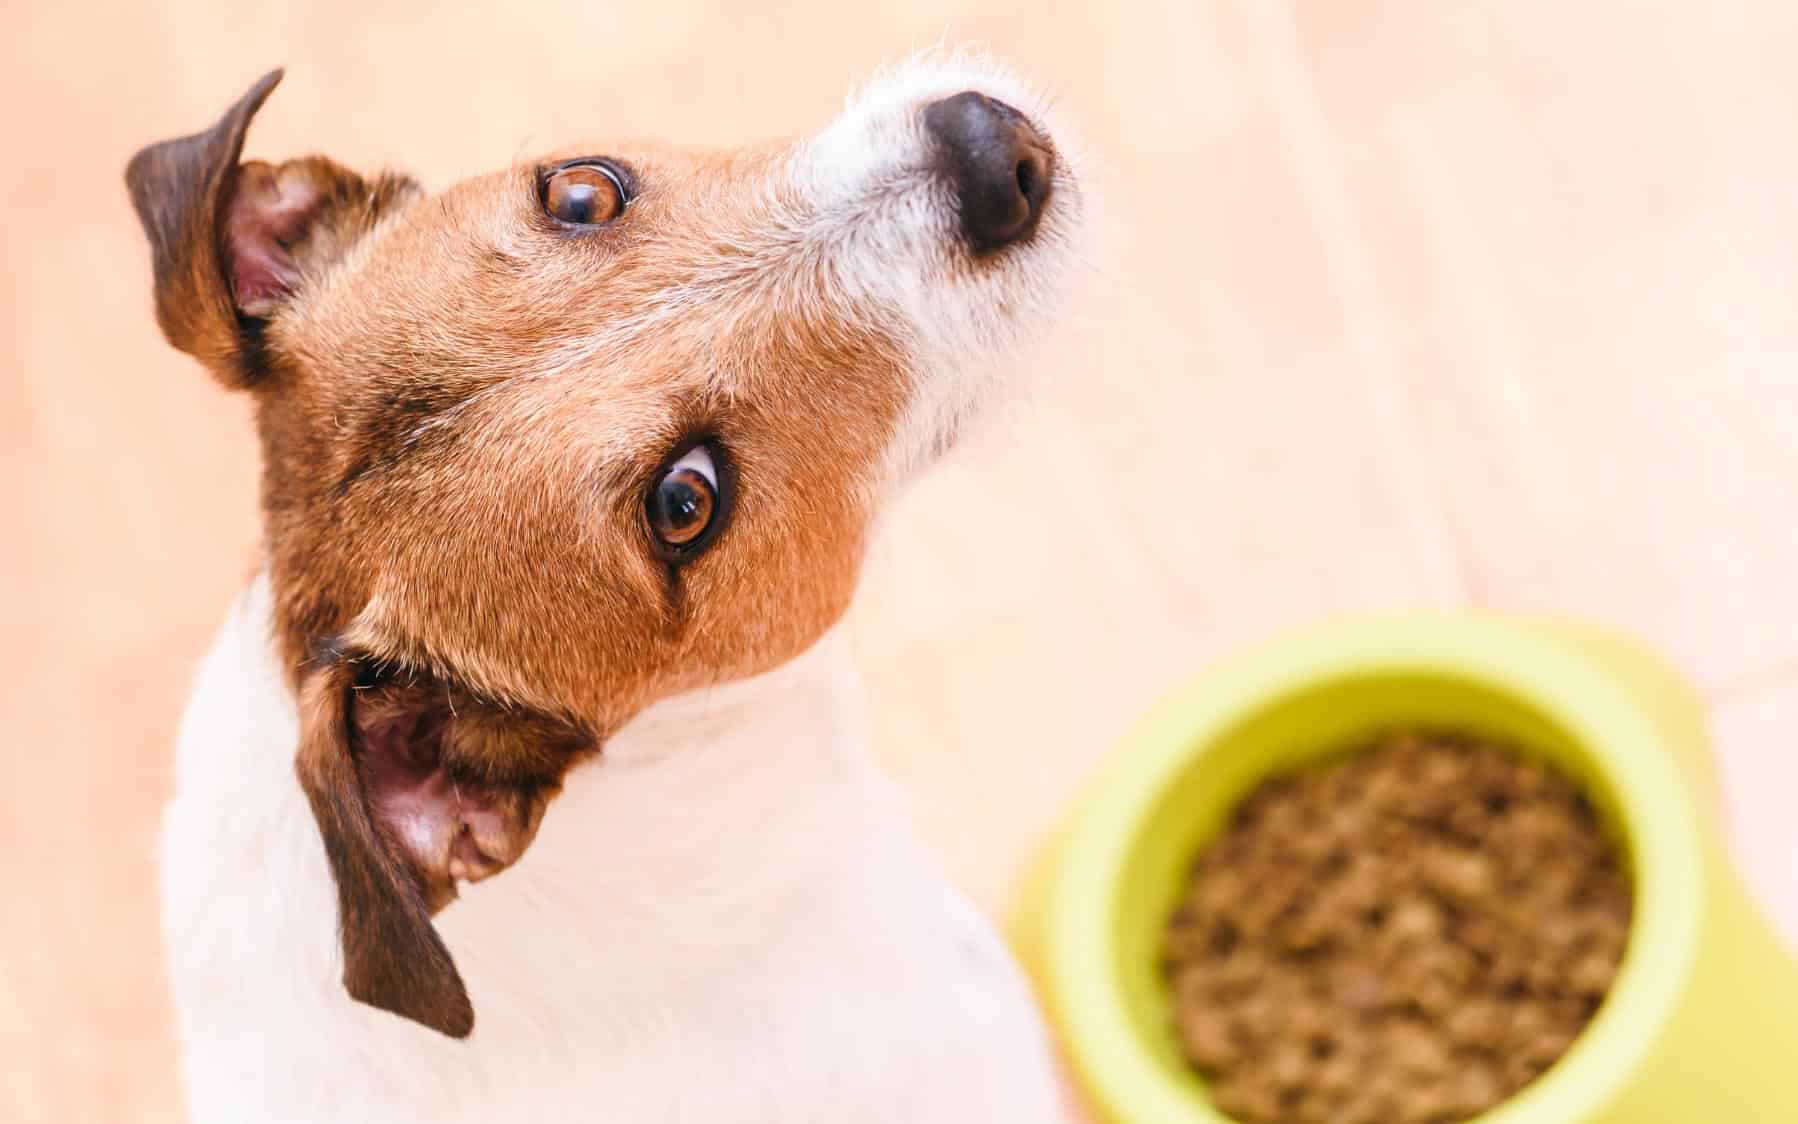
[(459, 427)]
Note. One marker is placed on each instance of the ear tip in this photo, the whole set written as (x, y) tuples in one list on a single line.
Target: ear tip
[(453, 1015), (454, 1019), (252, 100), (136, 170), (402, 966), (140, 169), (443, 1007)]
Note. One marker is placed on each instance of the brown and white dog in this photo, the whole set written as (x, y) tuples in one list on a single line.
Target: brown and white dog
[(568, 475)]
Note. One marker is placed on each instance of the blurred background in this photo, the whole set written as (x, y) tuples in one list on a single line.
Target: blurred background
[(1394, 304)]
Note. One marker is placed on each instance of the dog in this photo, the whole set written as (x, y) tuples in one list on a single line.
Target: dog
[(568, 475)]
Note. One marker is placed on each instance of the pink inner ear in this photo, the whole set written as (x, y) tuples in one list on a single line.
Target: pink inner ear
[(269, 213), (451, 831)]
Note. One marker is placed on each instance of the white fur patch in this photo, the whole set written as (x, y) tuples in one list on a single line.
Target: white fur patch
[(891, 224)]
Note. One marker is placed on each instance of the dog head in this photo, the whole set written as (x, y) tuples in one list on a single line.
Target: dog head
[(581, 434)]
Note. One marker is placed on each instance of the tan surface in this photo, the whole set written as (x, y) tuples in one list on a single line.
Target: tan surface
[(1400, 303)]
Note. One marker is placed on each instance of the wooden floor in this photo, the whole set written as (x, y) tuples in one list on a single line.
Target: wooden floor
[(1475, 303)]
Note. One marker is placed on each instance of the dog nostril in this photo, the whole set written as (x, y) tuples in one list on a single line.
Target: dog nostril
[(1000, 166), (1026, 178)]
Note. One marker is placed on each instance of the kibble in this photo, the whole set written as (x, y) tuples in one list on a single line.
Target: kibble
[(1406, 937)]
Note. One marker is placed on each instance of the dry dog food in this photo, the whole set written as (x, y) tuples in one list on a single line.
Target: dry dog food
[(1406, 937)]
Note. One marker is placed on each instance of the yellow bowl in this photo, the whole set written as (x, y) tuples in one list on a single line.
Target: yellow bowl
[(1701, 1026)]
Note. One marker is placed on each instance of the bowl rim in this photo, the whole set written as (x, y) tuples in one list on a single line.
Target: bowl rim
[(1657, 814)]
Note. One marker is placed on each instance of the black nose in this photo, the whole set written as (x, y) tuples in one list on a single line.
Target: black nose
[(1000, 165)]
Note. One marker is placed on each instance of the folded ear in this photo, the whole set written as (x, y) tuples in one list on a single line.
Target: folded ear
[(228, 241), (392, 956), (416, 787)]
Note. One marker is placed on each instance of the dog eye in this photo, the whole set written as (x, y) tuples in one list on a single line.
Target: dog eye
[(585, 194), (685, 502)]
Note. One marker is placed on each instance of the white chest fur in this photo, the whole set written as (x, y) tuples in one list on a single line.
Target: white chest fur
[(724, 919)]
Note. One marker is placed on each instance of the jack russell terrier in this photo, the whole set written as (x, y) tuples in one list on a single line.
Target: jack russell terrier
[(568, 473)]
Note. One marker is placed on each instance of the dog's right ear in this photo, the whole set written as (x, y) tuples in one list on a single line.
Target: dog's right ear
[(228, 241), (393, 957)]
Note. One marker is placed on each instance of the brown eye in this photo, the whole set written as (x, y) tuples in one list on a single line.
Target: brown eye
[(685, 501), (584, 194)]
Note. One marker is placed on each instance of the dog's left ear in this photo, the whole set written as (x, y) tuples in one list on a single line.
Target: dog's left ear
[(229, 242)]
